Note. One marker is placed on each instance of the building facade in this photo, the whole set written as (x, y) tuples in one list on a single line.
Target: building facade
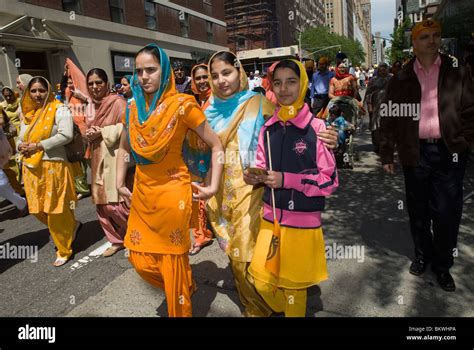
[(37, 36), (264, 24), (340, 16)]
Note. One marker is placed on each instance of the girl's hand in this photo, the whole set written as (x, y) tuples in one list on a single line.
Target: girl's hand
[(252, 179), (125, 193), (274, 179), (203, 192)]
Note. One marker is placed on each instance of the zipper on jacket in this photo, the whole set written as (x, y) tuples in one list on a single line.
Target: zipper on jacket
[(281, 159)]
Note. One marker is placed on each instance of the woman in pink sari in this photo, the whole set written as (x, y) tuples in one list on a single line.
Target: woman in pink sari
[(104, 128)]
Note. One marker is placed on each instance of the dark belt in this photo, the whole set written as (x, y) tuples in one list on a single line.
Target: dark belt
[(430, 141), (320, 95)]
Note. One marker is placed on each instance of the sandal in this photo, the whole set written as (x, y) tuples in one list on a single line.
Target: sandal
[(60, 262), (112, 250), (197, 248)]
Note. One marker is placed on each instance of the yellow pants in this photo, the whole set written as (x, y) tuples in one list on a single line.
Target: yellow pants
[(290, 301), (254, 305), (170, 272), (61, 226)]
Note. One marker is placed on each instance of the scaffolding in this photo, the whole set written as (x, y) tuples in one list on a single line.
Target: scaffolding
[(251, 24)]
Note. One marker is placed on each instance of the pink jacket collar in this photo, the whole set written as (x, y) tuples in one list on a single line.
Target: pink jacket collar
[(300, 121)]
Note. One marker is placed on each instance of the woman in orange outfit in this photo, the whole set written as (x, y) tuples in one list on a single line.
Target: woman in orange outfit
[(158, 227)]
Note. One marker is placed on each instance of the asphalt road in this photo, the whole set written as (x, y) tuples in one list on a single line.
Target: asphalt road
[(364, 214)]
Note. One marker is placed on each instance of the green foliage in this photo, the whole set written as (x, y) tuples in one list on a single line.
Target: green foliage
[(320, 37), (399, 43)]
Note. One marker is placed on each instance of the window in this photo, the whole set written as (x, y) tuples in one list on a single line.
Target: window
[(123, 63), (150, 15), (116, 10), (184, 24), (210, 38), (72, 6)]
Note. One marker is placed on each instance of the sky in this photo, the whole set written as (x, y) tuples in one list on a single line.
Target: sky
[(383, 14)]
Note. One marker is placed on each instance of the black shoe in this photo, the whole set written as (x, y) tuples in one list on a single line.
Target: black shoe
[(446, 281), (417, 267)]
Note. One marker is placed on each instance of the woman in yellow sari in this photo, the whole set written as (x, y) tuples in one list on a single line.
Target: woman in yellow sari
[(158, 227), (236, 114), (11, 107), (47, 127)]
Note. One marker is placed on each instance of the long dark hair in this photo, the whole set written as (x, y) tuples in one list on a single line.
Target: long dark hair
[(150, 50), (40, 80), (288, 64), (100, 73), (227, 57)]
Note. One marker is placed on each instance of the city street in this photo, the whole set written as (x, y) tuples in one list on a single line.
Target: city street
[(367, 213)]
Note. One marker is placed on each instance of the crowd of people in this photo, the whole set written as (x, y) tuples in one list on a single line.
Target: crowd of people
[(218, 154)]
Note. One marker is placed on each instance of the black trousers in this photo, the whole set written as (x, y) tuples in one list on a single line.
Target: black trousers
[(319, 102), (435, 199)]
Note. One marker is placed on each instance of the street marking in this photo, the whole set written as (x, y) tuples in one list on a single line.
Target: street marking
[(96, 253), (101, 249)]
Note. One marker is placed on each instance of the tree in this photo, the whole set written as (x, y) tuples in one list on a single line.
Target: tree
[(318, 38), (399, 43)]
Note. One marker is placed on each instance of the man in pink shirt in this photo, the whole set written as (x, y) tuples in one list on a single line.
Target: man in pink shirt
[(433, 140)]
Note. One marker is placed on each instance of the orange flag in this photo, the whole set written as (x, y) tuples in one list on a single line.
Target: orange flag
[(273, 257)]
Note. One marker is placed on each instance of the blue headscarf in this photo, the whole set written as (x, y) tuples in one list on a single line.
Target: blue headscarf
[(139, 96), (137, 90), (221, 113)]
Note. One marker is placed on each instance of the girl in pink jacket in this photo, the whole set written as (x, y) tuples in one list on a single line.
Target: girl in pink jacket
[(290, 252)]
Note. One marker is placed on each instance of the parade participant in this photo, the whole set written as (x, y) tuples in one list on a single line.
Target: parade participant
[(432, 142), (320, 86), (396, 67), (200, 84), (270, 95), (104, 128), (7, 144), (202, 91), (11, 108), (77, 99), (183, 82), (301, 171), (22, 82), (236, 114), (373, 97), (158, 227), (343, 83), (126, 89), (46, 128)]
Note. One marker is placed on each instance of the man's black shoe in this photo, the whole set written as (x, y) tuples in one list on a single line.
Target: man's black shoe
[(446, 281), (417, 267)]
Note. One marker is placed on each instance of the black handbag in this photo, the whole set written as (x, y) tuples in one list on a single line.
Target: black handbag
[(75, 150)]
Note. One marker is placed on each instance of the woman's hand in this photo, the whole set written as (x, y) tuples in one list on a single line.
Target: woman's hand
[(203, 192), (93, 133), (253, 179), (125, 193), (329, 137), (28, 149), (274, 179)]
